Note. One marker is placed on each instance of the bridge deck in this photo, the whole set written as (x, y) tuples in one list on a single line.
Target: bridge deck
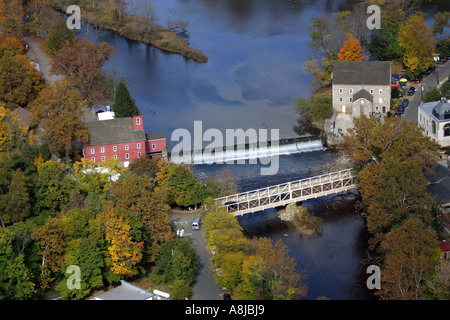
[(289, 192)]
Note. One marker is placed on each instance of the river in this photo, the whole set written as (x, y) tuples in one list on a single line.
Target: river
[(255, 50)]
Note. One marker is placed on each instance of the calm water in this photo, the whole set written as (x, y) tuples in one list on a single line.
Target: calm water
[(255, 49)]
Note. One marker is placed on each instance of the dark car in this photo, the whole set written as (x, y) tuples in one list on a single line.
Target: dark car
[(429, 70), (401, 110), (411, 91), (405, 103)]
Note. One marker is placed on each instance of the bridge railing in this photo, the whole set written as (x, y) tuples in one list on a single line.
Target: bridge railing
[(288, 192)]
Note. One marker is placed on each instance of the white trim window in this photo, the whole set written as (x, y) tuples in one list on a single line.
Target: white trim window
[(153, 146), (138, 121), (127, 147), (115, 157), (138, 145), (103, 158), (115, 148), (127, 156), (93, 159), (92, 150), (139, 154), (102, 149)]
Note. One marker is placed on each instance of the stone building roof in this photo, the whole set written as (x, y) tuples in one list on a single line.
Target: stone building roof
[(362, 73)]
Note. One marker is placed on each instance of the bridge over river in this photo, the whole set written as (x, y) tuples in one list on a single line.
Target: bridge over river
[(289, 192)]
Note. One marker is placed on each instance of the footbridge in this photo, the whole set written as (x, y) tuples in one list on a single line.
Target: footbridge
[(289, 192)]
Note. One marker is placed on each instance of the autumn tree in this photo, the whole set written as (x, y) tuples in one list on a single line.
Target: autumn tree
[(11, 130), (49, 239), (440, 22), (59, 110), (270, 273), (351, 51), (138, 194), (11, 17), (19, 81), (410, 254), (327, 38), (416, 40), (81, 63), (125, 253), (40, 16), (373, 140), (58, 35)]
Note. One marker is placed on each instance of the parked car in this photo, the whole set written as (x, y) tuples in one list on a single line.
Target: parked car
[(411, 91), (401, 110), (405, 103), (418, 79), (429, 70), (443, 60)]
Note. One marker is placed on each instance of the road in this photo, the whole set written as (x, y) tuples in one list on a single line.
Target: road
[(205, 286), (411, 112)]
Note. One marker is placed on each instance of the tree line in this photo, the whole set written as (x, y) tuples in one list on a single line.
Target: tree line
[(391, 157)]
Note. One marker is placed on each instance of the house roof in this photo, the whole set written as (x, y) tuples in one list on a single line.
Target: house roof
[(363, 94), (126, 291), (113, 131), (23, 115), (439, 185), (362, 72), (444, 246)]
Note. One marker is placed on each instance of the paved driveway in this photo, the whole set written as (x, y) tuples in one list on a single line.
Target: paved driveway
[(205, 286), (411, 112)]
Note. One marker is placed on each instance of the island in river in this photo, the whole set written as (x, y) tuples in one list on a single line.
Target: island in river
[(141, 28)]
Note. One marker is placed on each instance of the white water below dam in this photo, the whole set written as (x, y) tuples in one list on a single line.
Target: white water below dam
[(243, 153)]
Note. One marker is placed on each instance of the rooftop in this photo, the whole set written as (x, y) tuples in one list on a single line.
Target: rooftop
[(362, 72), (126, 291), (440, 110), (113, 131)]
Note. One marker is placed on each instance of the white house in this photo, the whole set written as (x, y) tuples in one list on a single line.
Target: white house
[(434, 119)]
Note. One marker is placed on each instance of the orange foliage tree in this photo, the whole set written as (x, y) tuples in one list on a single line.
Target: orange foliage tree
[(351, 51)]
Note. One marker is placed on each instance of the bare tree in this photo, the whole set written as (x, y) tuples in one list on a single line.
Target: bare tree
[(179, 26)]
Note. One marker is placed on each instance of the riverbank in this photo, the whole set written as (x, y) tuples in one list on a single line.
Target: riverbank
[(141, 29)]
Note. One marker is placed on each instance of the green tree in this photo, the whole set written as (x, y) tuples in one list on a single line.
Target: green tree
[(316, 109), (180, 185), (176, 260), (16, 280), (384, 43), (58, 36), (52, 188), (123, 105), (85, 254), (14, 197)]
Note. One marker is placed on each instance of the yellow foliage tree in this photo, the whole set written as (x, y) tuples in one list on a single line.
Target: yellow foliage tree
[(124, 252), (10, 128), (416, 40)]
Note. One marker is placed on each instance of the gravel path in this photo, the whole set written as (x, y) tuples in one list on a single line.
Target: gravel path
[(37, 53)]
